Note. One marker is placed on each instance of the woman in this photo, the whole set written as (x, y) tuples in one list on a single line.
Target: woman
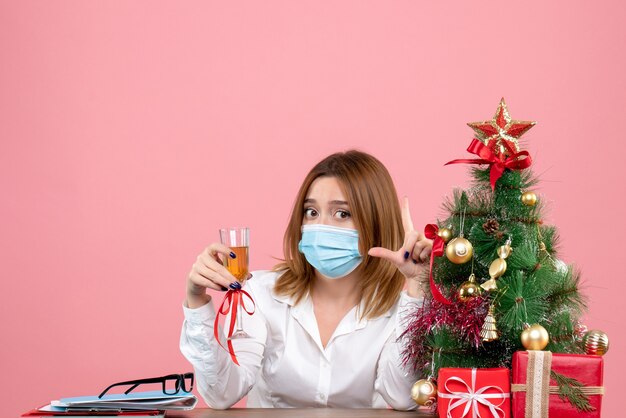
[(327, 321)]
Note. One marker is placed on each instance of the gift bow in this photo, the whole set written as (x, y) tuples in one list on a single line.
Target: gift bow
[(430, 231), (498, 163), (472, 397), (233, 298)]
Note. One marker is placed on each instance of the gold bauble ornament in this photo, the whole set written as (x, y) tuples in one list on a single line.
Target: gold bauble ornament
[(469, 289), (596, 342), (445, 234), (459, 250), (535, 337), (424, 392), (489, 331), (529, 198)]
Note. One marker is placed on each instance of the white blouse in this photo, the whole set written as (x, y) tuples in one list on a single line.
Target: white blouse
[(284, 363)]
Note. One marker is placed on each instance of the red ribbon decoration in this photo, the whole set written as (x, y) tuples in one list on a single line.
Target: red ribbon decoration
[(430, 231), (233, 298), (498, 163)]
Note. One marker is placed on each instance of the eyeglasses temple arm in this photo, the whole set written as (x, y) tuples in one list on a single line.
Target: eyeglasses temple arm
[(131, 388)]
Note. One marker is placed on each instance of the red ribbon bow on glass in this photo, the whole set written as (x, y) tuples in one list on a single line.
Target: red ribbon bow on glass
[(233, 298), (430, 231), (498, 163)]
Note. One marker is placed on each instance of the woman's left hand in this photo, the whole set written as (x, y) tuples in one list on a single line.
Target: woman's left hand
[(412, 258)]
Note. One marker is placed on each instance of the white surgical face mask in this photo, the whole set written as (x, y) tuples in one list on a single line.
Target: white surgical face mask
[(333, 251)]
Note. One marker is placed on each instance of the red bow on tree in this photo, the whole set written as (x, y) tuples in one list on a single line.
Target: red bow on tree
[(430, 231), (517, 161)]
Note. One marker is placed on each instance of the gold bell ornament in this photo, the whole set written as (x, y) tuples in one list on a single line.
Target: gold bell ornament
[(489, 331), (529, 198), (596, 342), (534, 337), (459, 250), (424, 392), (469, 289), (498, 266)]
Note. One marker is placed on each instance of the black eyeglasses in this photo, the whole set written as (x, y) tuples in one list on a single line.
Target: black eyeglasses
[(172, 384)]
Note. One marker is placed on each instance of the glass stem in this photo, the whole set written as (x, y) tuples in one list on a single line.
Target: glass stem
[(239, 318)]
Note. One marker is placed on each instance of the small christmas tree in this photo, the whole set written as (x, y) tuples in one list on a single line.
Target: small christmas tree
[(496, 278)]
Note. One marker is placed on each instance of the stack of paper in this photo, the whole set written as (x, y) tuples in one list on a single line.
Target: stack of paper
[(135, 404)]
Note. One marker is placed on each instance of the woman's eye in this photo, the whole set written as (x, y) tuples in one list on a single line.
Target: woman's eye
[(342, 214), (310, 213)]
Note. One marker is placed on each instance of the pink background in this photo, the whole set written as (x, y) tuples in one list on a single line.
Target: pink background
[(132, 130)]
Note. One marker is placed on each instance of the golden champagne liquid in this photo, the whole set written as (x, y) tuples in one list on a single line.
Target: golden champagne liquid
[(238, 267)]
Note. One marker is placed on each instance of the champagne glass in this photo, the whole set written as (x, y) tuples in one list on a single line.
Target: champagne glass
[(238, 240)]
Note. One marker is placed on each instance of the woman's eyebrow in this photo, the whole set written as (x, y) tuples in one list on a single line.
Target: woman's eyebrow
[(332, 202)]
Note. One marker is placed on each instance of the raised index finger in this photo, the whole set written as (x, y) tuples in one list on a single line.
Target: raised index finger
[(407, 223)]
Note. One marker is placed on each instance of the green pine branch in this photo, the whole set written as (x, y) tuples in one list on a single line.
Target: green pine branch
[(560, 326), (524, 255), (569, 390), (510, 179), (551, 238), (521, 301), (565, 292), (449, 350)]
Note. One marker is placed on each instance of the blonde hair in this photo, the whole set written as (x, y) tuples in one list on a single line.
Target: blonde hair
[(373, 201)]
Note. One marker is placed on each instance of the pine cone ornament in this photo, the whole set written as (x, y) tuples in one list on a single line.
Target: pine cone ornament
[(491, 226)]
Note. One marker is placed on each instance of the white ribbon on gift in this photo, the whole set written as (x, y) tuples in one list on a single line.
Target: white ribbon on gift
[(472, 397)]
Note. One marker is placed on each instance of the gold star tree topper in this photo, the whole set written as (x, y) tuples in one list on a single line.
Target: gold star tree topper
[(501, 134)]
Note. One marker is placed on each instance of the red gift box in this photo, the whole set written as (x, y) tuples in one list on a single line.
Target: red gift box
[(535, 393), (474, 393)]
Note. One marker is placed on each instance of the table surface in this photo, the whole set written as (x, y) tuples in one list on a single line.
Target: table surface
[(296, 412)]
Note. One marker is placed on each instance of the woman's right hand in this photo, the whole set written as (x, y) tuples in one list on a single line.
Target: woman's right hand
[(208, 272)]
